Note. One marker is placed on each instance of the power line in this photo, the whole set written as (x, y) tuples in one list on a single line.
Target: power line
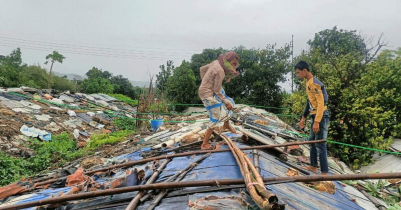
[(87, 53), (90, 47), (292, 61)]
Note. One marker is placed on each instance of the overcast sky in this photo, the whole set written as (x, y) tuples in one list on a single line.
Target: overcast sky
[(134, 37)]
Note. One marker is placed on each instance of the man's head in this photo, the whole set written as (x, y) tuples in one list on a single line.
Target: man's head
[(302, 69), (233, 58)]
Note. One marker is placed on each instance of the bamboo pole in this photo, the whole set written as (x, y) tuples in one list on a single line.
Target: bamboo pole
[(142, 161), (220, 182), (134, 203), (253, 181), (373, 200), (256, 159), (179, 178), (174, 140)]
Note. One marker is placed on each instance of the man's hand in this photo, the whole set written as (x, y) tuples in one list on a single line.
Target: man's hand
[(302, 123), (315, 127), (229, 106)]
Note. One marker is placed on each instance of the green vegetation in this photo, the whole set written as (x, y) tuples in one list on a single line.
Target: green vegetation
[(162, 77), (100, 81), (261, 71), (364, 92), (54, 57), (376, 190), (98, 140), (61, 150), (125, 123), (181, 88), (124, 98), (13, 73)]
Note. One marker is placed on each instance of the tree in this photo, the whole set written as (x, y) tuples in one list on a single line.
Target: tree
[(199, 60), (54, 57), (96, 85), (33, 76), (260, 72), (164, 74), (181, 86), (10, 69), (63, 84), (97, 82), (123, 86)]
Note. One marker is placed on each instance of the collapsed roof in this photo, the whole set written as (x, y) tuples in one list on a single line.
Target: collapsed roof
[(262, 128)]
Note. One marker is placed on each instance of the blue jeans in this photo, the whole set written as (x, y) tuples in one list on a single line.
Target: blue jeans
[(319, 149)]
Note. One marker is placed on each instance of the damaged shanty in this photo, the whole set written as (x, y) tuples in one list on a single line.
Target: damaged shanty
[(170, 172), (33, 113)]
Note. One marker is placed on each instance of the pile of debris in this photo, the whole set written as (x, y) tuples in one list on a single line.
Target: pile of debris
[(169, 171), (33, 113)]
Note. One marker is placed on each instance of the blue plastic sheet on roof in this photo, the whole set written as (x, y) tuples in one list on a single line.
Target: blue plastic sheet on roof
[(44, 194), (133, 156), (224, 166)]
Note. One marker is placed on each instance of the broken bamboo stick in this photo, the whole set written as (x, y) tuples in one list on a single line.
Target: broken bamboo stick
[(142, 161), (220, 182), (174, 140), (253, 180), (373, 200), (181, 175), (256, 160), (134, 203)]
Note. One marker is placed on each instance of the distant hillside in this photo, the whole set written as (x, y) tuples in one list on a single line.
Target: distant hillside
[(80, 77), (71, 76), (139, 83)]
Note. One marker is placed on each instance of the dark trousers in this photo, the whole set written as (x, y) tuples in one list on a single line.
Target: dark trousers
[(319, 149)]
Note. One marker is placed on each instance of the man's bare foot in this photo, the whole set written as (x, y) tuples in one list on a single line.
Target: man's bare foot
[(207, 147), (310, 168), (324, 173), (231, 129)]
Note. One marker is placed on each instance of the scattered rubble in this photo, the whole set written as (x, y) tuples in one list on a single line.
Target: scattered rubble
[(31, 113), (123, 165)]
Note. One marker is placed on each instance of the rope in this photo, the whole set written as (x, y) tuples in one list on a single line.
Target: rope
[(303, 135), (349, 145), (174, 121)]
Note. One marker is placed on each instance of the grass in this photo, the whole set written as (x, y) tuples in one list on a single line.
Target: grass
[(98, 140), (125, 123), (124, 98), (61, 150)]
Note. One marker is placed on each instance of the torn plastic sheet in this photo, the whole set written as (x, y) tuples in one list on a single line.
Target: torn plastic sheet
[(223, 166), (231, 199), (133, 156), (71, 113), (23, 110), (84, 117), (9, 103), (117, 198), (36, 196), (12, 97), (30, 105), (32, 131), (43, 117), (73, 123), (66, 99)]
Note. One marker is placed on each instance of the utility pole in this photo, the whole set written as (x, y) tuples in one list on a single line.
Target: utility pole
[(292, 61)]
